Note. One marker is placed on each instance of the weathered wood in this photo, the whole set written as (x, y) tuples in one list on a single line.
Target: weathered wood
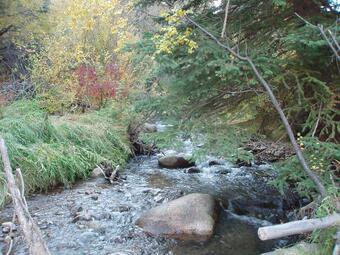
[(297, 227), (31, 232), (115, 175), (225, 19)]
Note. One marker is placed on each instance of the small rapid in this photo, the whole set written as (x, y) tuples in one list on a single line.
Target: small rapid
[(98, 218)]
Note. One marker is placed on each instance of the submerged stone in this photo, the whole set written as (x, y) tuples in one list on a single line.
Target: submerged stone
[(174, 162), (191, 217), (149, 128), (192, 170)]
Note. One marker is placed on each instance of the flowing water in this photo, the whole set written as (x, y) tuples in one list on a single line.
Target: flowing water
[(95, 217)]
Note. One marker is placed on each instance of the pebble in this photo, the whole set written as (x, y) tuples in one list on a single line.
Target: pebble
[(124, 208), (94, 197), (7, 226), (82, 216), (88, 237), (159, 198)]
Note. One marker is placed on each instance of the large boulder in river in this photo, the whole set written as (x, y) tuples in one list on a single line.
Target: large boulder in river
[(191, 217), (174, 162)]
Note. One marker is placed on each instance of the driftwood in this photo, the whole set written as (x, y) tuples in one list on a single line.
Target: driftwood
[(111, 176), (298, 227), (31, 232), (138, 147), (5, 30)]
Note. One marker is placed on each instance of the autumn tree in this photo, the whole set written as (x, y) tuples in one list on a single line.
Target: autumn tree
[(81, 59)]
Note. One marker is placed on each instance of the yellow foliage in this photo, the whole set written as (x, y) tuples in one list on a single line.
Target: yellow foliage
[(171, 38), (83, 32)]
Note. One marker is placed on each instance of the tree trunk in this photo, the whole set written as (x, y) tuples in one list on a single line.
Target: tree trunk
[(32, 234)]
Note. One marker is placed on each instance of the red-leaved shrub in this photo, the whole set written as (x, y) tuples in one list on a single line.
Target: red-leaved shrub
[(97, 90)]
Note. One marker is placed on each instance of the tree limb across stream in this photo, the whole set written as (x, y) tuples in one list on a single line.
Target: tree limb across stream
[(298, 227)]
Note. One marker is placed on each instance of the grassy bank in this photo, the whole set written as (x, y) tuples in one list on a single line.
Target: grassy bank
[(54, 150)]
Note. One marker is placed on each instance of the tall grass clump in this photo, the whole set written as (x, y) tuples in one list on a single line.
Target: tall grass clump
[(54, 150)]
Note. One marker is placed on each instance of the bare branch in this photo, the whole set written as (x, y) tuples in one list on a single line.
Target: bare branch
[(22, 186), (323, 34), (32, 234), (225, 19), (334, 39), (5, 30), (317, 121), (330, 44), (298, 227)]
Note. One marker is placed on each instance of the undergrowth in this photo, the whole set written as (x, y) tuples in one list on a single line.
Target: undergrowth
[(209, 136), (53, 150), (322, 158), (169, 139), (212, 136)]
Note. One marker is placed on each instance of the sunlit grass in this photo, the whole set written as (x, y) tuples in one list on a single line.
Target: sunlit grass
[(59, 150)]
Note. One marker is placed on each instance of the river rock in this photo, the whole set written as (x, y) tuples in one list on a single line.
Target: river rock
[(97, 172), (174, 162), (192, 170), (241, 163), (215, 162), (149, 128), (191, 217), (8, 226)]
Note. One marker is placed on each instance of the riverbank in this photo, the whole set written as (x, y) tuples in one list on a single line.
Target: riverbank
[(59, 150)]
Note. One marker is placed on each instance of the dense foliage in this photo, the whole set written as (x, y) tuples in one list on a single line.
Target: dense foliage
[(71, 52), (292, 56)]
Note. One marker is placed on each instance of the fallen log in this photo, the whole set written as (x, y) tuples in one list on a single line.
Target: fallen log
[(297, 227), (31, 231)]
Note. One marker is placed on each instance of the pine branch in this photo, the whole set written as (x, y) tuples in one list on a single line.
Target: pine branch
[(314, 177), (330, 41)]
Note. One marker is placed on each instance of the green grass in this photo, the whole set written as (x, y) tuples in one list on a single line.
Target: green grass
[(52, 150)]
